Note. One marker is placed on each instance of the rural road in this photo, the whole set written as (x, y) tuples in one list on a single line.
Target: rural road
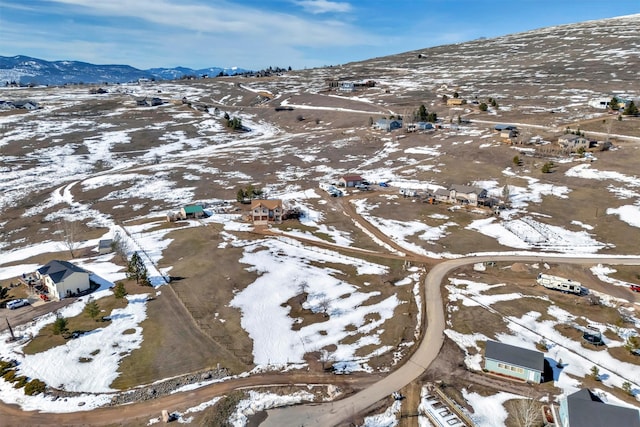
[(335, 413)]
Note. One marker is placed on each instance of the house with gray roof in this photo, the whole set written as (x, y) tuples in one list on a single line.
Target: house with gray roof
[(584, 409), (467, 195), (388, 124), (513, 362), (63, 279)]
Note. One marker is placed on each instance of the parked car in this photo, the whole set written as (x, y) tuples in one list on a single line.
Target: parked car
[(383, 184), (17, 303), (635, 288)]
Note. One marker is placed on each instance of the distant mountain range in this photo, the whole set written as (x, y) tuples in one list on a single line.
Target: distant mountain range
[(26, 70)]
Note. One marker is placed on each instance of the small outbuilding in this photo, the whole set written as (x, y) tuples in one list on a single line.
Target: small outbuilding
[(105, 246), (514, 362)]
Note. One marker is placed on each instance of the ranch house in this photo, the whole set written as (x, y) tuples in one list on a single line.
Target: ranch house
[(514, 362), (63, 279)]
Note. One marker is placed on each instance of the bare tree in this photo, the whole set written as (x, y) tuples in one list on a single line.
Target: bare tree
[(70, 235), (120, 245), (526, 411), (325, 304), (324, 358)]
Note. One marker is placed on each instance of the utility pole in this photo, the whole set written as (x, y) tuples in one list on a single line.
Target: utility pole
[(13, 337)]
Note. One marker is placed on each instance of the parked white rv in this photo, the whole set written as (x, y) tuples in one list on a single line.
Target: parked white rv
[(559, 283)]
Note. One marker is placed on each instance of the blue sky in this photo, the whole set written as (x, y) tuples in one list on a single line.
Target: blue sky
[(258, 33)]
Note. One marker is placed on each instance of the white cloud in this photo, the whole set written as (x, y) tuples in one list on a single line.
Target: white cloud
[(324, 6)]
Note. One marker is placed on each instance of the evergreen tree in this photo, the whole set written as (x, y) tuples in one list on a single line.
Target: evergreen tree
[(422, 113), (483, 106), (631, 109), (445, 98), (119, 291), (614, 104), (241, 195), (60, 326), (92, 309), (136, 269)]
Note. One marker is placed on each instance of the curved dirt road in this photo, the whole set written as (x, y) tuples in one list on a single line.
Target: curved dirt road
[(332, 414)]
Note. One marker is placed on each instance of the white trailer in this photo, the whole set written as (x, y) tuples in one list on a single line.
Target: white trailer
[(559, 283)]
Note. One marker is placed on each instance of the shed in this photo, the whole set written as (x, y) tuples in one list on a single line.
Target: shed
[(105, 246), (515, 362), (585, 409)]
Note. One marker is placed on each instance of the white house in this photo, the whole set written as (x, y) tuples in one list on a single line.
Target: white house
[(63, 279)]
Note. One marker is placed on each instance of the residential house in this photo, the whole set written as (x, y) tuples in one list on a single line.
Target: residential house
[(467, 195), (501, 127), (105, 246), (452, 102), (388, 124), (191, 211), (25, 105), (266, 211), (442, 195), (63, 279), (585, 409), (508, 135), (419, 126), (350, 180), (573, 142), (347, 87), (514, 362)]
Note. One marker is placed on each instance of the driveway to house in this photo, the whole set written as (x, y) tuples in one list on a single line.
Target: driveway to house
[(335, 413)]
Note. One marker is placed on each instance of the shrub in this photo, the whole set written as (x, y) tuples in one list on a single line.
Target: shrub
[(20, 381), (34, 387), (218, 415), (5, 366), (9, 376)]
